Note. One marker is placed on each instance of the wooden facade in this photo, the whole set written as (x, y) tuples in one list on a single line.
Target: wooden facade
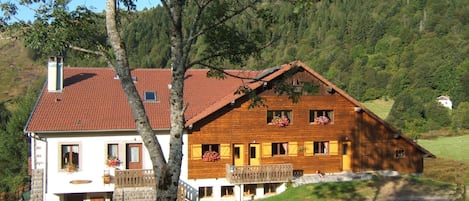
[(351, 137)]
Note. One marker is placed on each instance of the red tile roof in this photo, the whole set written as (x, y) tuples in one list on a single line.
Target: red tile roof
[(93, 100)]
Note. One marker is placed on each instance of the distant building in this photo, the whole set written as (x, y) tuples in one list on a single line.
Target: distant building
[(445, 101)]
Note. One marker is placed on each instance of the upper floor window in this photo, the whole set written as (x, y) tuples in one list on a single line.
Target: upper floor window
[(70, 157), (279, 118), (210, 152), (113, 155), (322, 117)]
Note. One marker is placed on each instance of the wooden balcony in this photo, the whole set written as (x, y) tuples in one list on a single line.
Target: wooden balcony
[(134, 178), (272, 173)]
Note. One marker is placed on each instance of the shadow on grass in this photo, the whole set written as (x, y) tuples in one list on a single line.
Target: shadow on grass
[(337, 190)]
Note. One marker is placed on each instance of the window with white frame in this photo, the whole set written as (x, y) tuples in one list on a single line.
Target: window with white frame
[(322, 117)]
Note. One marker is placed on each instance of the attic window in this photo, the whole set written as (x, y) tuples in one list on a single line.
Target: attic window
[(150, 96)]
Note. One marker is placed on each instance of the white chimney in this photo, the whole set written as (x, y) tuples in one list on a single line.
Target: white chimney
[(55, 74)]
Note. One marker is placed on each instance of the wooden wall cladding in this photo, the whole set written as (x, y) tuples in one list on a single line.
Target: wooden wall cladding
[(373, 145)]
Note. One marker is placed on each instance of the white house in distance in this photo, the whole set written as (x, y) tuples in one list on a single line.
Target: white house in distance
[(84, 145), (445, 101)]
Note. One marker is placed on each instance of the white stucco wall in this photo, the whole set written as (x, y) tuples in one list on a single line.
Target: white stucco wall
[(93, 155)]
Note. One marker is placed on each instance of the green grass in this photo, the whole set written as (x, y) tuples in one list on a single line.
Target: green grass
[(355, 190), (380, 107), (454, 147)]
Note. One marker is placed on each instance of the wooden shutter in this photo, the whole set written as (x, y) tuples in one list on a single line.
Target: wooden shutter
[(196, 151), (225, 151), (309, 148), (292, 148), (266, 149), (333, 147)]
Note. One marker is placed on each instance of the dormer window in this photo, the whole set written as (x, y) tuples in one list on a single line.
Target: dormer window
[(150, 96)]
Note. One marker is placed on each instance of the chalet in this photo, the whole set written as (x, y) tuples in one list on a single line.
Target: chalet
[(445, 101), (84, 145)]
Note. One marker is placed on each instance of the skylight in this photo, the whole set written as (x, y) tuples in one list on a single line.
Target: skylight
[(150, 96)]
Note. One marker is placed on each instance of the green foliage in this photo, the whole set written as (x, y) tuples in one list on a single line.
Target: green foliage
[(14, 145), (461, 116)]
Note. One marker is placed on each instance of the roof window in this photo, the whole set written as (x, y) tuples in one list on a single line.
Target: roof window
[(150, 96)]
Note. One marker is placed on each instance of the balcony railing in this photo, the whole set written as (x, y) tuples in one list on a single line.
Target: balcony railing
[(134, 178), (259, 173)]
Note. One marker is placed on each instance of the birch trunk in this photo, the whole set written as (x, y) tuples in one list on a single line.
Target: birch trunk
[(166, 173)]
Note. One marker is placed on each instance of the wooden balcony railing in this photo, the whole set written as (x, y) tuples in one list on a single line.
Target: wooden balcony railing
[(134, 178), (259, 173)]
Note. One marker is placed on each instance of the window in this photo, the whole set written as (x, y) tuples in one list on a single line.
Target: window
[(227, 191), (250, 189), (210, 147), (321, 147), (400, 153), (150, 96), (279, 148), (210, 152), (271, 187), (113, 155), (322, 117), (70, 156), (112, 151), (205, 191), (252, 152), (280, 118)]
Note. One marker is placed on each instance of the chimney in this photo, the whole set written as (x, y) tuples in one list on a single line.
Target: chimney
[(55, 74)]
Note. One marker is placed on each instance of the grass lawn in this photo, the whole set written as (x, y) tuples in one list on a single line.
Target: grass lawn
[(454, 147), (380, 107)]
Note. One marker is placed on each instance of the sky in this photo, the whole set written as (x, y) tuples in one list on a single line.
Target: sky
[(95, 5)]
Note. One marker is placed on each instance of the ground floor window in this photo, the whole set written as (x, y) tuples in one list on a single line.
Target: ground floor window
[(205, 191), (227, 191), (250, 189), (271, 187)]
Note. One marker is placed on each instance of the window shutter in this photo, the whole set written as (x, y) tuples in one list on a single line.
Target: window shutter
[(225, 151), (333, 147), (293, 148), (196, 151), (309, 149), (266, 149)]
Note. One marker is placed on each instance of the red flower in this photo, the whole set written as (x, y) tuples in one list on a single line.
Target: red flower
[(211, 156)]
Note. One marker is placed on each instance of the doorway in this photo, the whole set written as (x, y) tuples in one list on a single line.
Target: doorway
[(133, 156), (346, 156), (254, 154)]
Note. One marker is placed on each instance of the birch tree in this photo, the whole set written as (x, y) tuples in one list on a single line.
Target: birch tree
[(205, 17)]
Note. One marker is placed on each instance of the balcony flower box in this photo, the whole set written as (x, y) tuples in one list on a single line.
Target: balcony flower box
[(211, 156), (113, 162)]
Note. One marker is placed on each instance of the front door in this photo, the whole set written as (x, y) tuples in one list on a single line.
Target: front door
[(346, 156), (134, 156), (238, 154), (254, 154)]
